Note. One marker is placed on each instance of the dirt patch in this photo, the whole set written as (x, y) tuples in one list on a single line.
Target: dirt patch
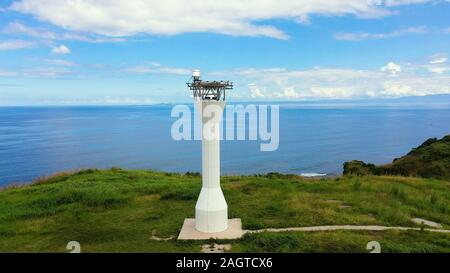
[(215, 248), (333, 201), (156, 238), (344, 227)]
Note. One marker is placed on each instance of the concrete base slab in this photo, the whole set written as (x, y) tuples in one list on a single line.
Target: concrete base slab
[(188, 231)]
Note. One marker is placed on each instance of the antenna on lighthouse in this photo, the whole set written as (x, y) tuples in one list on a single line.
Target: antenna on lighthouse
[(196, 74)]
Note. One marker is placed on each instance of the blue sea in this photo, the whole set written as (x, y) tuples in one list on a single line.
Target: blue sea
[(314, 139)]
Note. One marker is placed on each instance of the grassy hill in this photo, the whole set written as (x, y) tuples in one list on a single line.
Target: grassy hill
[(431, 159), (117, 210)]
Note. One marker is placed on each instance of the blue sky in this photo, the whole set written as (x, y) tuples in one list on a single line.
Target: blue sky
[(142, 52)]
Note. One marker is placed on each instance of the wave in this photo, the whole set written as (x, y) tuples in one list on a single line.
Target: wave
[(312, 174)]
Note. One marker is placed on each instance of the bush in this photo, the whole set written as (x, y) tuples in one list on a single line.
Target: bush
[(115, 169), (276, 175), (192, 174), (359, 168)]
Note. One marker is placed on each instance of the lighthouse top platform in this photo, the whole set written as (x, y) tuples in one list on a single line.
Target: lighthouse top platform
[(208, 90)]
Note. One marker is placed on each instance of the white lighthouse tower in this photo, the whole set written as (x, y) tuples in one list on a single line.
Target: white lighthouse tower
[(211, 210)]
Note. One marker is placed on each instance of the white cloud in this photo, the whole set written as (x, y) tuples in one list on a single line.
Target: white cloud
[(392, 68), (169, 17), (437, 64), (139, 69), (393, 3), (59, 62), (438, 69), (175, 71), (15, 44), (326, 83), (54, 62), (288, 93), (125, 100), (280, 83), (255, 92), (102, 101), (359, 36), (60, 50), (394, 89), (4, 73), (48, 72), (17, 28), (157, 68), (438, 60), (48, 68), (416, 86)]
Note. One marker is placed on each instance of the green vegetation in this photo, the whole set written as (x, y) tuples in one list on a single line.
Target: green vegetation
[(117, 210), (344, 242), (431, 159)]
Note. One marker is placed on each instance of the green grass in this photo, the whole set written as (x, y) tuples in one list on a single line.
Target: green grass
[(118, 211), (343, 242)]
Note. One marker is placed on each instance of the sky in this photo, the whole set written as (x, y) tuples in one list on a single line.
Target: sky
[(82, 52)]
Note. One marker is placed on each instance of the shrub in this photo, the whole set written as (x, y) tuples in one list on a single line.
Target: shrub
[(192, 174), (276, 175), (359, 168)]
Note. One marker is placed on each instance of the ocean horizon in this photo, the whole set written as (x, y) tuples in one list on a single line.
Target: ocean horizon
[(315, 139)]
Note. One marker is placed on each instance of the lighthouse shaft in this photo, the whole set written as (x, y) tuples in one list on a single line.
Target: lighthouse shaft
[(211, 210)]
